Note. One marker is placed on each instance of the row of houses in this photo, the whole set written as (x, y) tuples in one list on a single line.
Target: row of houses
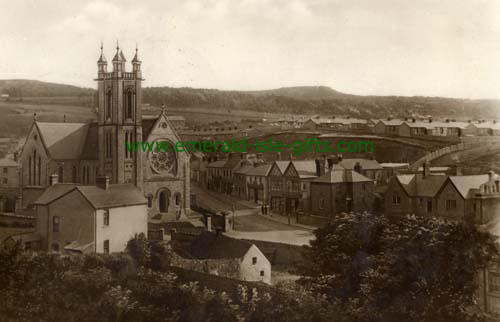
[(471, 198), (321, 186), (405, 127)]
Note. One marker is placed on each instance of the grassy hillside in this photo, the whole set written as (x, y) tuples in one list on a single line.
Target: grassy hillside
[(293, 100), (323, 100), (17, 88)]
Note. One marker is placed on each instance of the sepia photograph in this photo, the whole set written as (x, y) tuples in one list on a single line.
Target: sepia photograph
[(250, 160)]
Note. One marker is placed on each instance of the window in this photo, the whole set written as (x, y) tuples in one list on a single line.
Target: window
[(396, 199), (55, 247), (29, 172), (5, 180), (105, 247), (451, 204), (60, 173), (262, 273), (493, 282), (128, 100), (322, 203), (254, 260), (39, 170), (5, 170), (74, 172), (55, 224), (106, 217), (107, 104), (364, 186), (150, 201)]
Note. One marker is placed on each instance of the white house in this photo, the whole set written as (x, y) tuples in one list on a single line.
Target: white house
[(89, 219)]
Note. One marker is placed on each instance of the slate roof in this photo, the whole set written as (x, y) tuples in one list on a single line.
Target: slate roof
[(217, 164), (465, 183), (342, 176), (66, 141), (394, 122), (366, 164), (208, 245), (420, 186), (282, 165), (305, 168), (63, 140), (6, 162), (260, 170), (117, 195)]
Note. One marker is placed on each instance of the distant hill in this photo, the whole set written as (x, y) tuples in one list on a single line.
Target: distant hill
[(303, 92), (294, 100), (34, 88), (323, 100)]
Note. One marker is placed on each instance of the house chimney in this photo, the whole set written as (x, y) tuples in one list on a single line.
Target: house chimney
[(425, 169), (209, 222), (319, 168), (339, 157), (290, 156), (331, 162), (102, 182), (16, 156), (53, 179), (358, 168), (278, 156), (457, 170), (413, 120), (430, 120)]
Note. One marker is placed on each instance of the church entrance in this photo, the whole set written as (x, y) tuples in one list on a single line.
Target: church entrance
[(164, 200)]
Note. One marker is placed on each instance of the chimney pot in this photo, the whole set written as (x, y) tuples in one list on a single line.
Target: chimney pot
[(53, 179), (102, 182)]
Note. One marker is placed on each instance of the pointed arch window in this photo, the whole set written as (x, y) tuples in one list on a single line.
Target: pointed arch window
[(84, 172), (74, 174), (61, 174), (29, 172), (39, 170), (108, 104), (128, 101), (34, 167)]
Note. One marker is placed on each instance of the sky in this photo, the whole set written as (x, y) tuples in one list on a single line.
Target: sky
[(368, 47)]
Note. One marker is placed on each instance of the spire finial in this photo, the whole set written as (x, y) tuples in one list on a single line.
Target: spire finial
[(34, 116), (117, 46), (164, 109), (102, 47)]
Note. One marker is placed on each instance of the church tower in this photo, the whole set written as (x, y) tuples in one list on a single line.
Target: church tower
[(119, 119)]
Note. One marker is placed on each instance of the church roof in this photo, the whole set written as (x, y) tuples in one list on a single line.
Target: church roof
[(64, 140), (78, 141), (117, 195)]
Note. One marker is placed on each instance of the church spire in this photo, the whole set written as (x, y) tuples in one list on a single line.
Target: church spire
[(102, 58), (136, 63)]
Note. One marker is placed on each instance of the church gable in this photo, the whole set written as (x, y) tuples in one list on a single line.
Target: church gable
[(34, 141), (164, 164)]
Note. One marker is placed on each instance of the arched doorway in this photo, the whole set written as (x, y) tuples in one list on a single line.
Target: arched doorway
[(164, 200)]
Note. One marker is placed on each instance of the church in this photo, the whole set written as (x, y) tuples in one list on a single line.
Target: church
[(85, 153)]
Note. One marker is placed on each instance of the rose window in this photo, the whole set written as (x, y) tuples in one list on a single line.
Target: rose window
[(163, 162)]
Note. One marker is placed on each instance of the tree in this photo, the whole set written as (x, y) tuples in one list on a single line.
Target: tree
[(419, 269)]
